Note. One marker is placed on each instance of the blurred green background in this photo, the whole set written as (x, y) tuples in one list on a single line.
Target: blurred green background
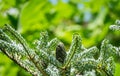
[(61, 18)]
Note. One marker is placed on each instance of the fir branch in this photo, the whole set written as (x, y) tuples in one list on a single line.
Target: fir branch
[(9, 47), (74, 46), (44, 60), (24, 44), (116, 26), (4, 37)]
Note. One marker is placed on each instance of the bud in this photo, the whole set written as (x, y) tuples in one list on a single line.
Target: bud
[(60, 52)]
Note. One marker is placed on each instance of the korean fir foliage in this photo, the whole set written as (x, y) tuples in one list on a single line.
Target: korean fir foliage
[(49, 57), (116, 26)]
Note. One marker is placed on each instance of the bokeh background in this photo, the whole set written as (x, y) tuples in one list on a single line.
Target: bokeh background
[(61, 18)]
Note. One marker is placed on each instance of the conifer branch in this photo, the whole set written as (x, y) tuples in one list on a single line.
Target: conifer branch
[(49, 58), (73, 48), (24, 44)]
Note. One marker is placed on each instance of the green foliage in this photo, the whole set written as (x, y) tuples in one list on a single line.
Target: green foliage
[(61, 18), (116, 26), (90, 18), (44, 60), (117, 73)]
